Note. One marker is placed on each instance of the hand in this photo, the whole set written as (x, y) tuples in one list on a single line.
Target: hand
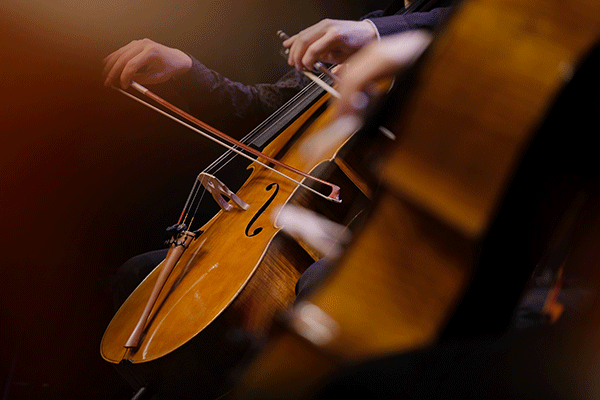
[(144, 61), (331, 41), (376, 62)]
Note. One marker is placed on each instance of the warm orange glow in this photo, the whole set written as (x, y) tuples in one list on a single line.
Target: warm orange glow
[(88, 178)]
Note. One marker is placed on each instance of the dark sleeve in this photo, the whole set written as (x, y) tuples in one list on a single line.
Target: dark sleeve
[(233, 107), (391, 24), (373, 14)]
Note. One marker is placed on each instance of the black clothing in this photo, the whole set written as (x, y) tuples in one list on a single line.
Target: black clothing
[(236, 108)]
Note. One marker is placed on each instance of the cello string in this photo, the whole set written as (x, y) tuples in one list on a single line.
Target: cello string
[(226, 157), (218, 137), (193, 192), (234, 148), (197, 208), (276, 117), (335, 189)]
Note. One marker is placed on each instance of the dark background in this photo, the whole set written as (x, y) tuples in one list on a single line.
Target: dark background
[(89, 178)]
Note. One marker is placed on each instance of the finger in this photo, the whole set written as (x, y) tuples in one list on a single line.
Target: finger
[(354, 79), (338, 69), (109, 61), (289, 41), (297, 50), (133, 67), (302, 41), (114, 75), (359, 88), (352, 101), (316, 51)]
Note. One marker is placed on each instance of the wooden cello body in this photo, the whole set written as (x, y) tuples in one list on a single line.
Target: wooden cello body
[(231, 280), (448, 231)]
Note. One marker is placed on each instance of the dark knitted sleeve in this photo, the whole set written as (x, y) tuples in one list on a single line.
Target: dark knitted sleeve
[(236, 108), (373, 14), (404, 22), (231, 106)]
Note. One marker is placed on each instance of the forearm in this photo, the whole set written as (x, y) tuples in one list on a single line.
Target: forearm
[(231, 106)]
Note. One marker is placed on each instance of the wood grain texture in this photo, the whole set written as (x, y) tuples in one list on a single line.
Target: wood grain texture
[(482, 91)]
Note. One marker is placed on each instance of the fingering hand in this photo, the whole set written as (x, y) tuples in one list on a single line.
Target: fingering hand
[(376, 62)]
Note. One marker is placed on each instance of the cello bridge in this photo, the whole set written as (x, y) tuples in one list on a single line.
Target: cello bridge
[(219, 191)]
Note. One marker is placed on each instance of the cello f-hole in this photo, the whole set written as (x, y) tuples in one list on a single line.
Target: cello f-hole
[(262, 210)]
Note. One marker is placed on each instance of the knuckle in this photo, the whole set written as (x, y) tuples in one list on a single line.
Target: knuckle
[(300, 37), (334, 31), (148, 44), (310, 53)]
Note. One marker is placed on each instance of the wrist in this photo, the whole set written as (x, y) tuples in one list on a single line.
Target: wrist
[(370, 25), (183, 64)]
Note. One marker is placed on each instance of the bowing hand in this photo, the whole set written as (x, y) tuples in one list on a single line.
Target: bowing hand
[(144, 61)]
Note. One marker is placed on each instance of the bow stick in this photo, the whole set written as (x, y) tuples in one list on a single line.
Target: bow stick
[(335, 190)]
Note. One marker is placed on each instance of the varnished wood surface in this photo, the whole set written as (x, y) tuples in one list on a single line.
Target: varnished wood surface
[(233, 279), (212, 271), (513, 59), (482, 91)]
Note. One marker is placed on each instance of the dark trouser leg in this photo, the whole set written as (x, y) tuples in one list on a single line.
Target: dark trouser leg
[(311, 278), (132, 273)]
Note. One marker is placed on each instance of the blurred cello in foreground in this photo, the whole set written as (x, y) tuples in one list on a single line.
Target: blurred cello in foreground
[(450, 237)]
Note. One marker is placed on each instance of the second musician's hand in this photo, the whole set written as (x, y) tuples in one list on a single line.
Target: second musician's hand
[(331, 41), (374, 63)]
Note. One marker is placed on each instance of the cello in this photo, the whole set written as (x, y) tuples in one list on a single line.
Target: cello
[(191, 321), (447, 233)]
